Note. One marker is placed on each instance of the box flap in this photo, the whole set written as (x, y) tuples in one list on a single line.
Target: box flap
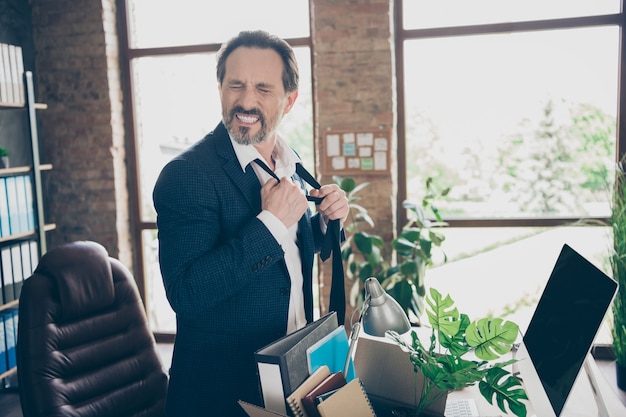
[(387, 374)]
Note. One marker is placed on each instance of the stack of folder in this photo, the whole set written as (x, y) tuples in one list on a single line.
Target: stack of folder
[(302, 374)]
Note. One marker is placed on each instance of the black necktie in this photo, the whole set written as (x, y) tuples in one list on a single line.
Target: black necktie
[(330, 245)]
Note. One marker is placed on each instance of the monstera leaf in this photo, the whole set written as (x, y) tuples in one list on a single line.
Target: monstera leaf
[(491, 338), (505, 388), (456, 344), (442, 314)]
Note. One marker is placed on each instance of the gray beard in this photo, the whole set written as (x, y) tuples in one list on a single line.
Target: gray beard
[(242, 136)]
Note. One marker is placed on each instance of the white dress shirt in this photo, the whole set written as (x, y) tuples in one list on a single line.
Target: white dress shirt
[(285, 159)]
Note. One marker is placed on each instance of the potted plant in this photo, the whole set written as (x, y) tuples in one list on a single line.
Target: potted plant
[(413, 248), (4, 157), (618, 266), (461, 353)]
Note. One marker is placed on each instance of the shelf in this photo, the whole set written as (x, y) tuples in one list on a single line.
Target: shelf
[(6, 172), (38, 106), (9, 306), (8, 373), (22, 236)]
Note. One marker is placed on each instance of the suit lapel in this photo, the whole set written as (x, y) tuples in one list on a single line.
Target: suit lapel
[(247, 182)]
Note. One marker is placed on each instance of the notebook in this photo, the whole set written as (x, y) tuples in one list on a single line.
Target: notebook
[(295, 399), (331, 382), (349, 400)]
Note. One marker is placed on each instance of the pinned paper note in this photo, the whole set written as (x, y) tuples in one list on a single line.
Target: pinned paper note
[(358, 151)]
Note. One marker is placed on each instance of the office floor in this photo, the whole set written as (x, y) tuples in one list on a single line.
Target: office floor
[(10, 399)]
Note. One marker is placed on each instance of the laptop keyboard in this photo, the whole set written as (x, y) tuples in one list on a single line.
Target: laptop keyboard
[(461, 408)]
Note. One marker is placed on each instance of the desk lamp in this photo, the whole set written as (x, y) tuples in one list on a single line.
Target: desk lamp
[(380, 313)]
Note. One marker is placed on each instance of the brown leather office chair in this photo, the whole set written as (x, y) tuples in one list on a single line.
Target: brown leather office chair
[(84, 347)]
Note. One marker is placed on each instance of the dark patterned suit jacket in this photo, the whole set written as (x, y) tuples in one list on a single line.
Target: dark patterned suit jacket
[(224, 276)]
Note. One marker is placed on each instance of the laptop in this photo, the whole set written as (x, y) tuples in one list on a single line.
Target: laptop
[(560, 334)]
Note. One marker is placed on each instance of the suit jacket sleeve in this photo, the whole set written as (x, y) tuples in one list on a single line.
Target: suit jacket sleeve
[(211, 245)]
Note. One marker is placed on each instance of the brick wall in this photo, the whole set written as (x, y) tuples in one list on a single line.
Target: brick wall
[(78, 77), (354, 87)]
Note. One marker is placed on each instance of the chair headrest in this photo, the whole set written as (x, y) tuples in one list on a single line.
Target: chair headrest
[(82, 272)]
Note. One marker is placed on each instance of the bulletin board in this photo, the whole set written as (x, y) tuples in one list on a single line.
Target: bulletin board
[(357, 151)]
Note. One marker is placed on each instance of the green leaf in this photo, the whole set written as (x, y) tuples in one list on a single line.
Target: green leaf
[(436, 237), (365, 271), (409, 205), (346, 184), (359, 187), (442, 314), (426, 246), (491, 338), (505, 389), (377, 241), (364, 217), (374, 257), (457, 373), (456, 343), (402, 292), (409, 268), (363, 242)]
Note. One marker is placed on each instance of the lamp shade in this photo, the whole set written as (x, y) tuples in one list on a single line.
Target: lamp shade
[(383, 313)]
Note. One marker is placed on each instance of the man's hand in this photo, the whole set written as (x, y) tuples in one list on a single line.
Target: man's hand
[(335, 202), (284, 200)]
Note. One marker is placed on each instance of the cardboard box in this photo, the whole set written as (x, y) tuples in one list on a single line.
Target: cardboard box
[(387, 376)]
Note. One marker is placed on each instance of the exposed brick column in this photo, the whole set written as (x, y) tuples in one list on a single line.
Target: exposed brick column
[(355, 89), (78, 77)]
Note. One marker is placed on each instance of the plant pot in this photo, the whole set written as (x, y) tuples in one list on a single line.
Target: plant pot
[(620, 374), (4, 162)]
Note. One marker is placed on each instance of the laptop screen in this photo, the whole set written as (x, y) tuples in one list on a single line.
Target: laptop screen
[(565, 323)]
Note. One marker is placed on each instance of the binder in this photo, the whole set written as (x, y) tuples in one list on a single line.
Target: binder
[(348, 401), (14, 224), (331, 351), (34, 256), (19, 62), (9, 337), (15, 75), (295, 399), (8, 74), (18, 272), (4, 99), (330, 383), (27, 268), (16, 316), (4, 209), (30, 207), (7, 274), (282, 364), (22, 208), (3, 347)]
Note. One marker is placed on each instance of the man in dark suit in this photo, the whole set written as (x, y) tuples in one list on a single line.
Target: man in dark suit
[(236, 245)]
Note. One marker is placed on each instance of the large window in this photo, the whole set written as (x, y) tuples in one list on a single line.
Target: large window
[(514, 105), (171, 66)]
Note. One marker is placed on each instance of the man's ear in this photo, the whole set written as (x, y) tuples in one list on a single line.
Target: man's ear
[(291, 99)]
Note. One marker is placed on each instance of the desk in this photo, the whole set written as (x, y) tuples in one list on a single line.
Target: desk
[(381, 365), (579, 404)]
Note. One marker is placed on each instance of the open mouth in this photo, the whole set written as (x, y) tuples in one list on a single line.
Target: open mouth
[(247, 118)]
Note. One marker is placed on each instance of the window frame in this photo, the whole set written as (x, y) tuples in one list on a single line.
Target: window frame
[(127, 54), (402, 35)]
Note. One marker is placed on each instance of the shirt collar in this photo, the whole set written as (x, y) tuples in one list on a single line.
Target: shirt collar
[(282, 154)]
